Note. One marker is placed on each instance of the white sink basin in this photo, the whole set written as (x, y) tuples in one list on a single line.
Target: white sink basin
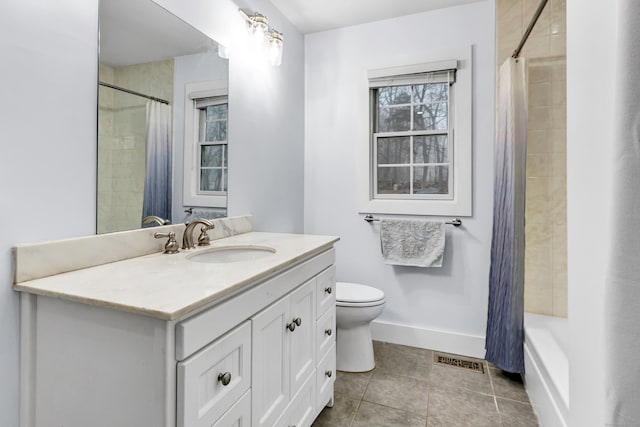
[(226, 254)]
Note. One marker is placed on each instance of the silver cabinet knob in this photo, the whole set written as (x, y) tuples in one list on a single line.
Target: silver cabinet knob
[(295, 322), (328, 373), (225, 378), (328, 289), (328, 332)]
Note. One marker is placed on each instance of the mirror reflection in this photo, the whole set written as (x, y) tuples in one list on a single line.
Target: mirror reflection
[(162, 119)]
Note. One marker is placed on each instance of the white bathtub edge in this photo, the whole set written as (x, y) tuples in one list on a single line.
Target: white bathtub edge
[(541, 397)]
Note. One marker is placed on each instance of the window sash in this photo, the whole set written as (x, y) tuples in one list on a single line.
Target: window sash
[(411, 165)]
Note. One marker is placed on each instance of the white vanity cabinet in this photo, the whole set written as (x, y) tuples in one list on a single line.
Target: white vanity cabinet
[(262, 357)]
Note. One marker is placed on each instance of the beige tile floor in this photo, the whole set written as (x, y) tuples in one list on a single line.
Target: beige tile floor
[(407, 389)]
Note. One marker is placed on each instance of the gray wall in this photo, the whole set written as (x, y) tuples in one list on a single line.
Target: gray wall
[(48, 148), (448, 302)]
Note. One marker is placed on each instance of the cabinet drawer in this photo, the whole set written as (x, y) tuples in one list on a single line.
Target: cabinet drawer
[(202, 394), (302, 409), (326, 290), (239, 415), (325, 332), (325, 377)]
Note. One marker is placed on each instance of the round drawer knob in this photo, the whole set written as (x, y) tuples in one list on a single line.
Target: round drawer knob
[(297, 321), (328, 332), (225, 378), (328, 289), (328, 373), (291, 326)]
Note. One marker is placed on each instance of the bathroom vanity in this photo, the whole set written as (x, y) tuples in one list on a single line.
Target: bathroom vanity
[(168, 340)]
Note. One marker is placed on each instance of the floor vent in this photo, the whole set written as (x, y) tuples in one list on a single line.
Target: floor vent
[(459, 362)]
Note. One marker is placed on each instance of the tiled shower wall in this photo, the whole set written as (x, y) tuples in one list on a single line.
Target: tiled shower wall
[(546, 212), (121, 140)]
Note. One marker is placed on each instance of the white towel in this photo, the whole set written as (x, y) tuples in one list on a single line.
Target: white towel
[(413, 243)]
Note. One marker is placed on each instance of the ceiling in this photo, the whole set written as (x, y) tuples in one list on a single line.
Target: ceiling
[(311, 16)]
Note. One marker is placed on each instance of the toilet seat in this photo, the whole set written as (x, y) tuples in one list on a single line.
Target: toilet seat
[(356, 295)]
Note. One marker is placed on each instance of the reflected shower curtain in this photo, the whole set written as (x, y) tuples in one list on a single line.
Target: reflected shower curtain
[(505, 331), (157, 181), (622, 281)]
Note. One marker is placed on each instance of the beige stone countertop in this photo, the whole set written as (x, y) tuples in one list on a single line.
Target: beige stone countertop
[(170, 286)]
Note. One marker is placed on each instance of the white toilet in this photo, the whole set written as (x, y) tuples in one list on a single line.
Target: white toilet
[(356, 306)]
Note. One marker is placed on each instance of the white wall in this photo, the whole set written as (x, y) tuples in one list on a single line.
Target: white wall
[(48, 145), (452, 299), (266, 115), (590, 57), (48, 136)]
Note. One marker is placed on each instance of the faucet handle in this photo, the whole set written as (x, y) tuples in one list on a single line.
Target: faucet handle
[(171, 247), (203, 238)]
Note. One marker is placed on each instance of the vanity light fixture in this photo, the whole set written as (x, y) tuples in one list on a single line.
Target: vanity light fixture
[(267, 40)]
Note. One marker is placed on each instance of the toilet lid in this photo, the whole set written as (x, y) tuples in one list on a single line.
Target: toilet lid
[(353, 292)]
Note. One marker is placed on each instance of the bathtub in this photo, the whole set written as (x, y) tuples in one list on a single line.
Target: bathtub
[(547, 368)]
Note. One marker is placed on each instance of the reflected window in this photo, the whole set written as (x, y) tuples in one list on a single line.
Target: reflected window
[(206, 144), (212, 145)]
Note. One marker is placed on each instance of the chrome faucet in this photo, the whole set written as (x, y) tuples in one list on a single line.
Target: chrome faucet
[(152, 218), (203, 240)]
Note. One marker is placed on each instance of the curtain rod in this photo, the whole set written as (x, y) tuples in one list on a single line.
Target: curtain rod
[(536, 15), (132, 92)]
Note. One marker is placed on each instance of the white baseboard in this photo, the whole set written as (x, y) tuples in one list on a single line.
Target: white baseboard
[(448, 342)]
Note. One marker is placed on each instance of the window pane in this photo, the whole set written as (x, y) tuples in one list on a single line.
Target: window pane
[(211, 155), (213, 180), (393, 150), (393, 95), (430, 149), (217, 112), (431, 180), (394, 119), (216, 130), (393, 180), (431, 116), (430, 92)]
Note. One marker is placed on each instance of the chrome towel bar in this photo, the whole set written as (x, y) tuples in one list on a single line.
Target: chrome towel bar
[(456, 222)]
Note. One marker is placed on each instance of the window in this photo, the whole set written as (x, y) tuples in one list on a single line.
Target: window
[(411, 138), (205, 144), (212, 145), (418, 154)]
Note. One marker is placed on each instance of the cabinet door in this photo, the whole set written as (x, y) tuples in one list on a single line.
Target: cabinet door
[(239, 415), (303, 311), (270, 363), (302, 410)]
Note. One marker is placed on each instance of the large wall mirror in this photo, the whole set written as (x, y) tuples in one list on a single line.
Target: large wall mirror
[(162, 119)]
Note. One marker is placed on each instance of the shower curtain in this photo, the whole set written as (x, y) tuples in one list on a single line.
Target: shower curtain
[(157, 181), (505, 331), (622, 282)]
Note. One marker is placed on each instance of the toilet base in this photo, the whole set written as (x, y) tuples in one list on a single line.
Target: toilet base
[(354, 349)]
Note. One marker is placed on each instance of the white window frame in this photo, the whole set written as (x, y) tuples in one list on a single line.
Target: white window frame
[(459, 202), (192, 196)]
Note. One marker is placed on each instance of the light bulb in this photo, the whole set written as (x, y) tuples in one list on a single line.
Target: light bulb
[(259, 30), (223, 52), (274, 48)]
